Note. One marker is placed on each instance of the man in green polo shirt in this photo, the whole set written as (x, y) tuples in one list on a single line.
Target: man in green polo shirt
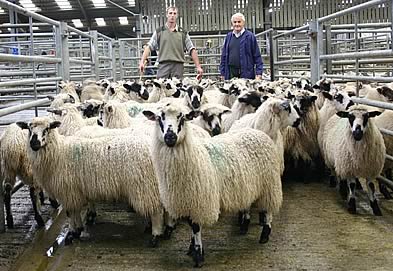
[(171, 42)]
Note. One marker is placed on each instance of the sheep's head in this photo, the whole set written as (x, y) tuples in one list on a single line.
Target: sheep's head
[(170, 120), (91, 108), (39, 129), (252, 98), (358, 118), (341, 99), (138, 88), (386, 92), (211, 115), (323, 85), (285, 110), (194, 96), (304, 101)]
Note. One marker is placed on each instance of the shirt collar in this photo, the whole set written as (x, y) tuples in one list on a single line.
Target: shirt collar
[(236, 34), (176, 27)]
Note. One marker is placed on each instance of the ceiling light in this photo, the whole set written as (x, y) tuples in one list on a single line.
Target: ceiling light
[(123, 20), (77, 22), (64, 4), (131, 3), (100, 22), (99, 3)]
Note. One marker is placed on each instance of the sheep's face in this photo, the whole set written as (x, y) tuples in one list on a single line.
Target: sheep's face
[(252, 98), (212, 120), (386, 92), (91, 109), (194, 96), (288, 114), (358, 120), (39, 130), (170, 122), (103, 83), (138, 88), (303, 101)]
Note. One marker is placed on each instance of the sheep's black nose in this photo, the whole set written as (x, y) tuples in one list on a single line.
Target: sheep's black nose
[(170, 139), (145, 95), (296, 123), (195, 103), (349, 104), (357, 134), (216, 130), (35, 144)]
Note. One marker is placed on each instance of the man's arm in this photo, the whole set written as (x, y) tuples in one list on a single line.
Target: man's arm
[(145, 54), (194, 56)]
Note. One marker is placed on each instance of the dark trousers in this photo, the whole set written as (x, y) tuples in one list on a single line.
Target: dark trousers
[(234, 72)]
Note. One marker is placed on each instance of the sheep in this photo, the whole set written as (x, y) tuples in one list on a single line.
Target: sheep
[(69, 88), (246, 103), (15, 163), (163, 88), (60, 99), (301, 144), (90, 108), (354, 148), (91, 91), (210, 118), (136, 90), (199, 178), (271, 117), (194, 98), (78, 171)]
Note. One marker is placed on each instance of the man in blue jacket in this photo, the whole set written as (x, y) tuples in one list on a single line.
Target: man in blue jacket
[(240, 56)]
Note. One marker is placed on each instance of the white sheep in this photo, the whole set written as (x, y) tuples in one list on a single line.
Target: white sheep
[(210, 118), (354, 148), (78, 171), (199, 178)]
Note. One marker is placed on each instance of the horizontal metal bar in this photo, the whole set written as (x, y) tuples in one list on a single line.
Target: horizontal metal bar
[(351, 10), (372, 103), (375, 53), (21, 73), (365, 78), (9, 5), (22, 58), (22, 35), (362, 61), (389, 157), (103, 36), (304, 27), (303, 60), (104, 58), (386, 131), (77, 31), (21, 97), (7, 25), (78, 61), (20, 107), (370, 25), (379, 31), (264, 32), (26, 90), (385, 181), (288, 75), (17, 186), (83, 76), (28, 81)]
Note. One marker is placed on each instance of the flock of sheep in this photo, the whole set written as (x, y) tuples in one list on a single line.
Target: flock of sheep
[(192, 149)]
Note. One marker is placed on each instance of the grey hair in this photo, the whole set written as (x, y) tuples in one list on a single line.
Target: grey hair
[(172, 7), (236, 15)]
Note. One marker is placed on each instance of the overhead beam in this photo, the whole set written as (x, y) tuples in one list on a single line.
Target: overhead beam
[(87, 18)]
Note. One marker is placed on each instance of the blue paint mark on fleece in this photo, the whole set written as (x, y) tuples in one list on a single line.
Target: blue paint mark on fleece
[(216, 153), (134, 110)]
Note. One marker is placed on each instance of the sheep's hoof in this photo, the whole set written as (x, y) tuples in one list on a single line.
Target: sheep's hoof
[(266, 230), (42, 198), (91, 217), (198, 257), (68, 239), (154, 241), (168, 232), (10, 222), (375, 207), (39, 220), (244, 226), (384, 191), (358, 184), (352, 206), (54, 203), (332, 181), (343, 189)]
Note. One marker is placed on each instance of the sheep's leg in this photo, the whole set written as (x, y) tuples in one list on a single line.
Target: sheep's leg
[(170, 225), (76, 226), (343, 189), (351, 196), (245, 221), (266, 228), (53, 203), (191, 247), (7, 203), (157, 222), (91, 214), (36, 207), (358, 184), (42, 197), (198, 252), (372, 198)]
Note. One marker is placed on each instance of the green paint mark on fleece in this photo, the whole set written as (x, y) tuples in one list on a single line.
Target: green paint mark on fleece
[(216, 154), (77, 152), (134, 110)]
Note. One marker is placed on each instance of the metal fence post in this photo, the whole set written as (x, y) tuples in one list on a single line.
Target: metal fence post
[(121, 61), (273, 54), (94, 53), (2, 215), (112, 50), (315, 33), (65, 53), (328, 45)]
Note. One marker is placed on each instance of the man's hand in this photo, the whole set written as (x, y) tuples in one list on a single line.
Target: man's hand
[(258, 77), (200, 72), (142, 66), (222, 77)]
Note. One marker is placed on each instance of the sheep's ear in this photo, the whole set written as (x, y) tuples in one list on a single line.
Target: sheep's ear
[(226, 111), (177, 93), (313, 98), (156, 84), (110, 109), (316, 87), (22, 124), (54, 124), (50, 97), (99, 123), (373, 114), (351, 94), (193, 114), (342, 114), (264, 98), (309, 88), (55, 111), (327, 95), (72, 99), (149, 115), (223, 90)]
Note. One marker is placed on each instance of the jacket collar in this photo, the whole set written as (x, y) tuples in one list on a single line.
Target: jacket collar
[(238, 34)]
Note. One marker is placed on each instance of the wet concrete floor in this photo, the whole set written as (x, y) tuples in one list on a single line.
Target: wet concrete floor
[(313, 231)]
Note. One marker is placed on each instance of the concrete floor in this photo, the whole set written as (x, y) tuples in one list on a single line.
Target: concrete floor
[(313, 231)]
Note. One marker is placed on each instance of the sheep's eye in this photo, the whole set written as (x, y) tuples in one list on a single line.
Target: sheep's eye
[(163, 116), (179, 116)]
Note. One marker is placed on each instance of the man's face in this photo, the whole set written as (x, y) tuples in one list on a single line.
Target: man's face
[(237, 24), (171, 15)]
